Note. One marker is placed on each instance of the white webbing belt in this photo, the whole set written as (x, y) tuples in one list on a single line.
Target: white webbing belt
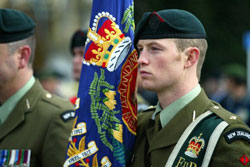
[(211, 144)]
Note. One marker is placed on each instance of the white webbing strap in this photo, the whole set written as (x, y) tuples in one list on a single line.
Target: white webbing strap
[(183, 138), (212, 143)]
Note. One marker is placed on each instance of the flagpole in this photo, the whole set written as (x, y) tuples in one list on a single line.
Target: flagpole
[(246, 45)]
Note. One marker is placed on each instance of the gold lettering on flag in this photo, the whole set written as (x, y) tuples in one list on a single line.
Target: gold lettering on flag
[(81, 129), (127, 90), (92, 149)]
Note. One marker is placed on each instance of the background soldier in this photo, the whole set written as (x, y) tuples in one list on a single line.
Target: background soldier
[(34, 124)]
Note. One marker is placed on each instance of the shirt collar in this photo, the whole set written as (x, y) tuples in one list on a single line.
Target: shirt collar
[(7, 107), (170, 111)]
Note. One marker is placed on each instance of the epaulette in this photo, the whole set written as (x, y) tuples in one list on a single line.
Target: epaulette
[(241, 131), (65, 107), (57, 101), (227, 116)]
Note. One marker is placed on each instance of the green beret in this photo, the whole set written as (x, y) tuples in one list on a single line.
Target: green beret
[(15, 25), (235, 71), (78, 39), (170, 23)]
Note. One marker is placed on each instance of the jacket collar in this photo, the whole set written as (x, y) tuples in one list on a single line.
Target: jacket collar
[(171, 133), (23, 107)]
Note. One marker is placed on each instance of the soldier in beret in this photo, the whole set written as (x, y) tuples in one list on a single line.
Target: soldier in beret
[(77, 49), (34, 124), (185, 129)]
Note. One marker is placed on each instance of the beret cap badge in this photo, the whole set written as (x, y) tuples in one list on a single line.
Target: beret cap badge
[(154, 21)]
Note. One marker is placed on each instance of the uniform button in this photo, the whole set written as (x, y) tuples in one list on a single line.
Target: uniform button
[(216, 107), (233, 117), (48, 95)]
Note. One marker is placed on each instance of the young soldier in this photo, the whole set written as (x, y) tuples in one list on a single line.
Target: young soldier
[(185, 129)]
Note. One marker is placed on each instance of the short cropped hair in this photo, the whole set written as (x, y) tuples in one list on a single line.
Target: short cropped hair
[(30, 41), (201, 44)]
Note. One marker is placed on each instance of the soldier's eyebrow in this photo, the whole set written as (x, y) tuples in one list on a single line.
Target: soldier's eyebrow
[(150, 43), (155, 43)]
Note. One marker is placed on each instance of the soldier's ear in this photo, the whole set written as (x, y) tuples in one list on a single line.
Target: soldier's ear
[(24, 56), (193, 54)]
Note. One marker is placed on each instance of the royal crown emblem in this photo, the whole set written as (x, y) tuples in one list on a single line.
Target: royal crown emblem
[(109, 46), (195, 146)]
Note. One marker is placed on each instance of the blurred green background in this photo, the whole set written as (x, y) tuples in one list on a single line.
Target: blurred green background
[(225, 23)]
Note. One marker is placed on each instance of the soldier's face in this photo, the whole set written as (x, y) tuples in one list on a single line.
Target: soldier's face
[(77, 62), (8, 66), (160, 64)]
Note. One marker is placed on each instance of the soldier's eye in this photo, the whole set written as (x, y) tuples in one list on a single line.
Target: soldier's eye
[(139, 50), (155, 48)]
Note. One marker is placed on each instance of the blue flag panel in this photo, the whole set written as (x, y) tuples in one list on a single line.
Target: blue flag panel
[(104, 129)]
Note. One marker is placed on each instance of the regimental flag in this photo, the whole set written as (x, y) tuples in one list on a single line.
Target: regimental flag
[(105, 125)]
